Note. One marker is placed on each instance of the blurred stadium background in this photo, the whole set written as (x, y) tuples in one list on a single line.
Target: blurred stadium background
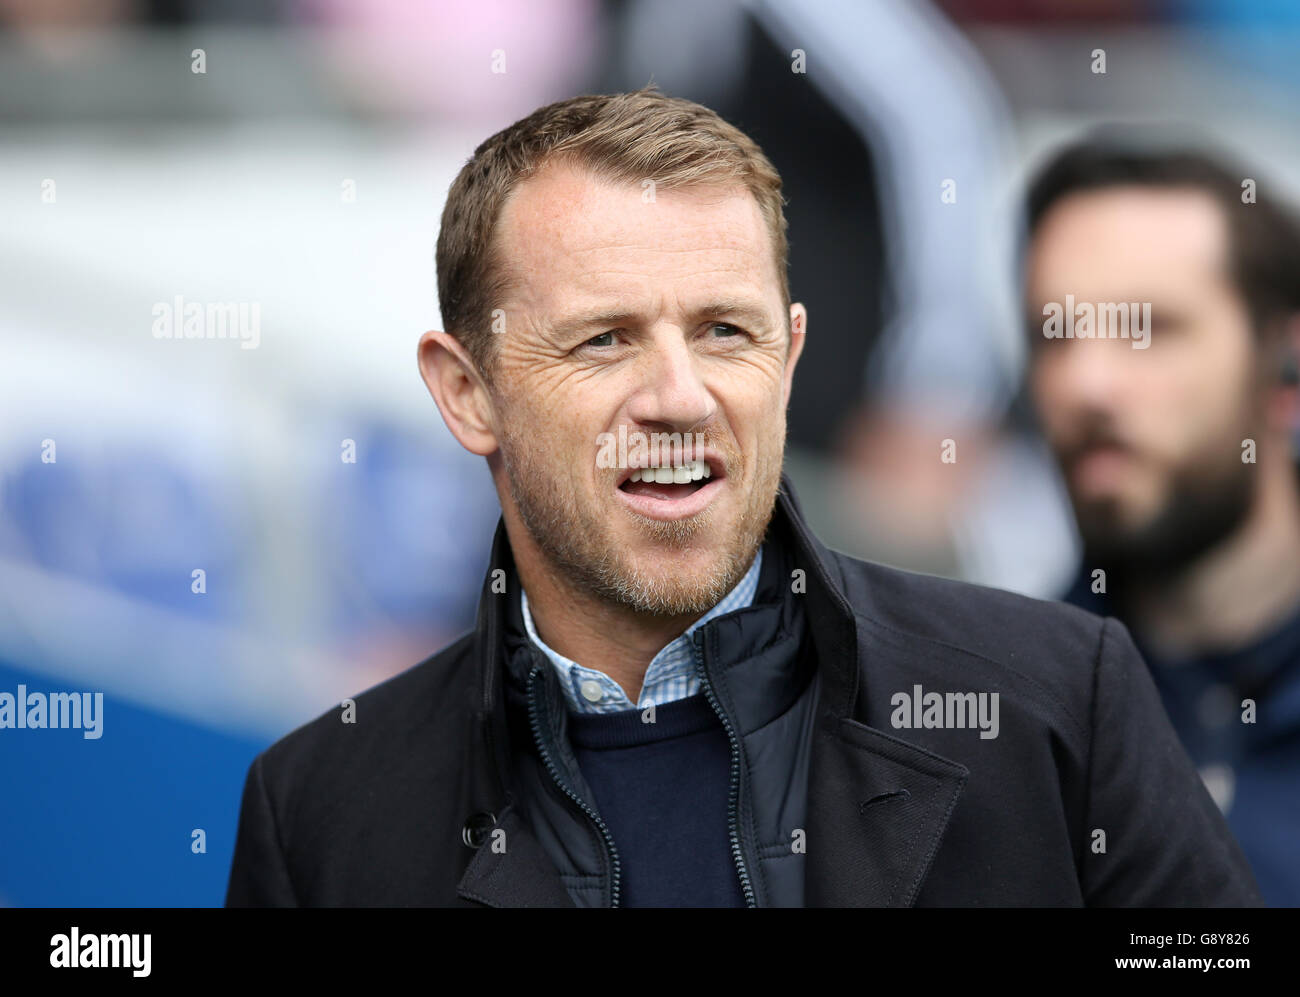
[(304, 172)]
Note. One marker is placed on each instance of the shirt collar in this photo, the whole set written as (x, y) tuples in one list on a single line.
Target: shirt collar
[(740, 596)]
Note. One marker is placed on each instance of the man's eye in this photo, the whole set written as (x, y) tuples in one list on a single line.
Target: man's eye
[(604, 339), (730, 330)]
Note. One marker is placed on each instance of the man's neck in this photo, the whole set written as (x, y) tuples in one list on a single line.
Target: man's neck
[(614, 639), (1236, 591)]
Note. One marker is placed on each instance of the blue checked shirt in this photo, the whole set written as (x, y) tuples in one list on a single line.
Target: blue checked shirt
[(671, 674)]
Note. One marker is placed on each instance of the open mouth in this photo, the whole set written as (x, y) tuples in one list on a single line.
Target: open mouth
[(672, 491), (669, 482)]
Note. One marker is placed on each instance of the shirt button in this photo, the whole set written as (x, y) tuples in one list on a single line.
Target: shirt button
[(591, 691)]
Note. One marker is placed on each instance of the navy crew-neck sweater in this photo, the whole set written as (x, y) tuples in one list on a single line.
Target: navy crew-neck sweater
[(663, 789)]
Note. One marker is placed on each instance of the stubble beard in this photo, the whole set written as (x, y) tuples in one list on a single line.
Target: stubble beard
[(580, 545)]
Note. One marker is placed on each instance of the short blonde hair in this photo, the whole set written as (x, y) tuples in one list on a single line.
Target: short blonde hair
[(628, 137)]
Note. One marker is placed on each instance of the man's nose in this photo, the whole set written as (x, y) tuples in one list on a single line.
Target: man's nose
[(1091, 373), (671, 391)]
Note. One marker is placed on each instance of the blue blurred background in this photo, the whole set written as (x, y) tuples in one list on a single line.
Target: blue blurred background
[(304, 171)]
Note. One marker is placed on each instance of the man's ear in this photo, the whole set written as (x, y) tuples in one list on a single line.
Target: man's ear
[(798, 330), (459, 392)]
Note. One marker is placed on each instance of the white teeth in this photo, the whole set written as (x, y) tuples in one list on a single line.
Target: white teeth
[(691, 470)]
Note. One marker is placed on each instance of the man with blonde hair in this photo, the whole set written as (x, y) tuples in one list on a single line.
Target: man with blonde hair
[(675, 695)]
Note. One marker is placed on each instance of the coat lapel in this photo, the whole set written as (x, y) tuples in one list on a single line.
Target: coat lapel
[(877, 811), (877, 806), (517, 874)]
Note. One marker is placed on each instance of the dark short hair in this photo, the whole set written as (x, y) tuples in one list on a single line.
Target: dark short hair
[(1264, 237)]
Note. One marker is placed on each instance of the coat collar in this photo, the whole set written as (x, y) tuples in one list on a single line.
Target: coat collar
[(878, 806), (830, 615)]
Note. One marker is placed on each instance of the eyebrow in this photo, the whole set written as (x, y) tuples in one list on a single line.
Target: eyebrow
[(738, 308)]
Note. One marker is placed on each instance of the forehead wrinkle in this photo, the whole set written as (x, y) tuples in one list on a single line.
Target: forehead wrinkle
[(752, 314), (617, 297), (694, 263), (554, 222)]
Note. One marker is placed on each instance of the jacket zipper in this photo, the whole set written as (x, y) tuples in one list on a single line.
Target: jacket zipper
[(534, 721), (733, 803)]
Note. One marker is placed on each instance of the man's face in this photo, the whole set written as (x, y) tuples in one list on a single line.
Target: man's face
[(1149, 440), (643, 317)]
